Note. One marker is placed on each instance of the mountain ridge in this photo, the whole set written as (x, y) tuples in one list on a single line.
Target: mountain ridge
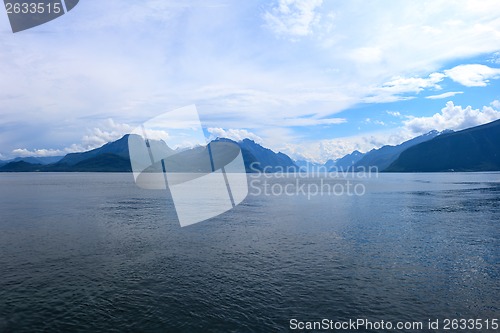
[(114, 157), (348, 161), (473, 149), (385, 155)]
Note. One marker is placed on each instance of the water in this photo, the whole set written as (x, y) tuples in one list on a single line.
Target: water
[(92, 252)]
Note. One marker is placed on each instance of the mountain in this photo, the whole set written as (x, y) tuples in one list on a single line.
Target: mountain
[(258, 158), (20, 166), (329, 164), (114, 157), (37, 160), (384, 156), (347, 162), (105, 162), (118, 148), (306, 166), (472, 149), (31, 160)]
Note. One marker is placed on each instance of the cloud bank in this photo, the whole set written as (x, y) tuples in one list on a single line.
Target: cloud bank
[(454, 117)]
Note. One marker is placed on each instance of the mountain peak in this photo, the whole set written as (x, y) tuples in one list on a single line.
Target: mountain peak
[(118, 147)]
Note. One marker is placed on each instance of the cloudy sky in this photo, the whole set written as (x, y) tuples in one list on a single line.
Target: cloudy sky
[(314, 79)]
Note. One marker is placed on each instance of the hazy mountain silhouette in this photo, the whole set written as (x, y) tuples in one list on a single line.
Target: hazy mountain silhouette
[(20, 166), (306, 166), (38, 160), (329, 164), (347, 162), (33, 160)]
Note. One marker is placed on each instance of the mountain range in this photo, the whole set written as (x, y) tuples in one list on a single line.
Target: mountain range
[(114, 157), (34, 160), (473, 149), (379, 158)]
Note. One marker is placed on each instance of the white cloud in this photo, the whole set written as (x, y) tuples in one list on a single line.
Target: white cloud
[(495, 58), (312, 121), (445, 95), (108, 131), (495, 104), (22, 152), (395, 89), (413, 84), (473, 75), (453, 117), (233, 134), (468, 75), (293, 18), (396, 114), (374, 121), (367, 55)]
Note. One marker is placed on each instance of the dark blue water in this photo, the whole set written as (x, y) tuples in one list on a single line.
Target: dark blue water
[(92, 252)]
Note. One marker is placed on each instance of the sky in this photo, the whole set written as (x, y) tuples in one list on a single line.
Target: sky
[(313, 79)]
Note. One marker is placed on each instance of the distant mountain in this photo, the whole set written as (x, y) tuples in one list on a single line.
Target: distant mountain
[(329, 164), (472, 149), (258, 158), (20, 166), (114, 157), (347, 162), (38, 160), (305, 166), (383, 157), (31, 160)]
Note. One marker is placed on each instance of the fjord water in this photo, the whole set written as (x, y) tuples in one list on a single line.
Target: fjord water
[(92, 252)]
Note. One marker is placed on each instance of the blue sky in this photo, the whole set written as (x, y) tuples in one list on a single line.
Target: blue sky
[(314, 79)]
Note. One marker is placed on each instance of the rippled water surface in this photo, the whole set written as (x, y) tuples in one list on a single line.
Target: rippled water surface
[(92, 252)]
